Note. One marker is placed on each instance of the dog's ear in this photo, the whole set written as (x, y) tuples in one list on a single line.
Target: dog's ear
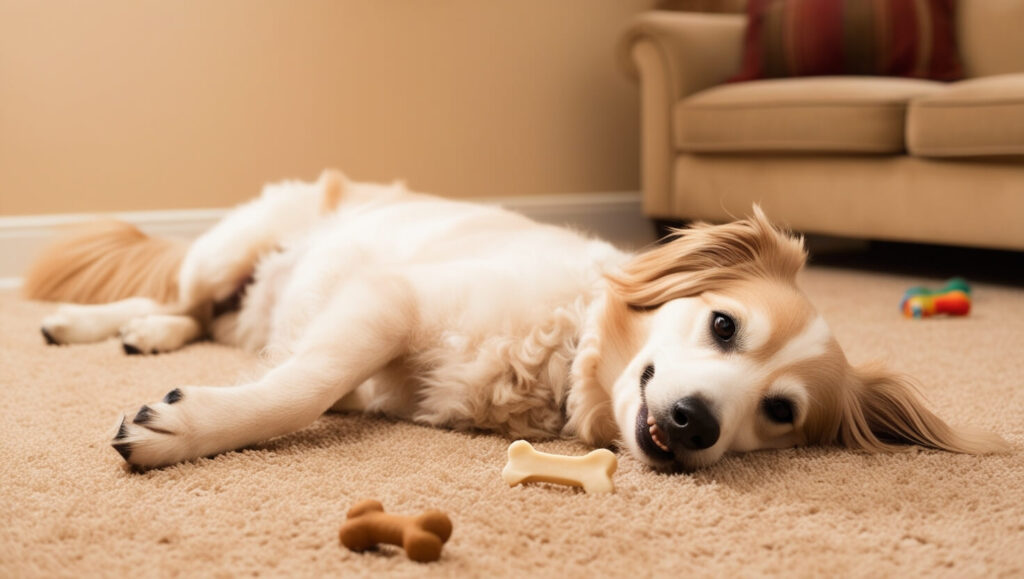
[(883, 412), (332, 185), (695, 260), (612, 335)]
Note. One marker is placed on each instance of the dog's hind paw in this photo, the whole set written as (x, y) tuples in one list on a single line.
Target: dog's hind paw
[(65, 326), (156, 334), (50, 340), (74, 324)]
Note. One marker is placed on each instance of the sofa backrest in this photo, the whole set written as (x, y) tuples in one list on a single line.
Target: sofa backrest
[(991, 36), (989, 31)]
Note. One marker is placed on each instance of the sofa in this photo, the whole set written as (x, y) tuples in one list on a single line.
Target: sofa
[(870, 157)]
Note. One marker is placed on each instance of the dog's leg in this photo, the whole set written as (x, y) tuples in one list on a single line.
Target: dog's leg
[(159, 333), (82, 324), (363, 329), (223, 258)]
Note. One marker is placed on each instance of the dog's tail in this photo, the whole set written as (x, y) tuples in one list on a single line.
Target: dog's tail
[(104, 262)]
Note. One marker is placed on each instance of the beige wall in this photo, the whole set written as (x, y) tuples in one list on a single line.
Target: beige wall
[(133, 105)]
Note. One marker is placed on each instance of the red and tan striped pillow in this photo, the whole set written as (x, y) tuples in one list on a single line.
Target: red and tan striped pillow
[(911, 38)]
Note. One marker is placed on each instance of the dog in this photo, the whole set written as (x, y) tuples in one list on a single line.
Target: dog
[(372, 298)]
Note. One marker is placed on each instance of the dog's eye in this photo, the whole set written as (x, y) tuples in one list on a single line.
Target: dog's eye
[(722, 326), (778, 410)]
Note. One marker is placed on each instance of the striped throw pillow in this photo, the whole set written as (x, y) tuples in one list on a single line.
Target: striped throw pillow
[(911, 38)]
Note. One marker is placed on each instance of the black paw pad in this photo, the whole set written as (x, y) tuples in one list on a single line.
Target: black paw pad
[(173, 396), (49, 339), (144, 415), (124, 449), (130, 349), (122, 431)]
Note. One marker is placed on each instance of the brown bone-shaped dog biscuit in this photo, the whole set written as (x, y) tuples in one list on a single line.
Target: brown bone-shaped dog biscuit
[(422, 536)]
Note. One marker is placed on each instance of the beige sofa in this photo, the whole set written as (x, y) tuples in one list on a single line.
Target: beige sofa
[(870, 157)]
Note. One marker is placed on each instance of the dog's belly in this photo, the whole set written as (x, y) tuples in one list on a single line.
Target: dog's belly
[(511, 384), (498, 302)]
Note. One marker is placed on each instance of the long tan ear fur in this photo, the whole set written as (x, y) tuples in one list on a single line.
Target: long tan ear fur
[(883, 412), (696, 259)]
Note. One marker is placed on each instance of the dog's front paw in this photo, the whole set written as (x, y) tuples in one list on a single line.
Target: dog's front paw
[(158, 434)]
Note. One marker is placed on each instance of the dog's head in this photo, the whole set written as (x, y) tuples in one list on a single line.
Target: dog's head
[(705, 345)]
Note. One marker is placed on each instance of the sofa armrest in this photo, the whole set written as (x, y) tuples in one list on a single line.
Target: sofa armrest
[(674, 54), (697, 50)]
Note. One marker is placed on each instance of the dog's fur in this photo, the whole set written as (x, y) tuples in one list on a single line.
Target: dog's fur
[(375, 299)]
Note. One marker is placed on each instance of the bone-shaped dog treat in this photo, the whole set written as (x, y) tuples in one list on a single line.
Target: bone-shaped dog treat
[(422, 536), (593, 471)]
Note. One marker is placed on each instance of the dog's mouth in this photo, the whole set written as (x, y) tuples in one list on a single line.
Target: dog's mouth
[(650, 438)]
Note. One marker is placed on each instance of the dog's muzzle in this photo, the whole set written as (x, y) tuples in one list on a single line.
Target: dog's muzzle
[(690, 426), (651, 439)]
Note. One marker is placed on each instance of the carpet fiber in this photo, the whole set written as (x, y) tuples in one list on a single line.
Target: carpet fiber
[(69, 508)]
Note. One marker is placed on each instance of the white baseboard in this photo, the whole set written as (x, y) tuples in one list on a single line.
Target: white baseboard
[(617, 217)]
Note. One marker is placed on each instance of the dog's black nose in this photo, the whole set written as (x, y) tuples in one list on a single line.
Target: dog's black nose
[(692, 425)]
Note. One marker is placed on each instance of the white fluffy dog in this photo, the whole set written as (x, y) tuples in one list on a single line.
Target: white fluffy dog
[(375, 299)]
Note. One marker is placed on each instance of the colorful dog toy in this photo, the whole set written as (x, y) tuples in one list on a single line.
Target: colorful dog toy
[(953, 299), (422, 536)]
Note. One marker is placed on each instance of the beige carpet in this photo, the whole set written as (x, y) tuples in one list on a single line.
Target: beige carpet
[(68, 508)]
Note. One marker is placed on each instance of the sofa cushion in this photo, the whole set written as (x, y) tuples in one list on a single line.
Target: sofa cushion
[(912, 38), (808, 115), (982, 116)]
